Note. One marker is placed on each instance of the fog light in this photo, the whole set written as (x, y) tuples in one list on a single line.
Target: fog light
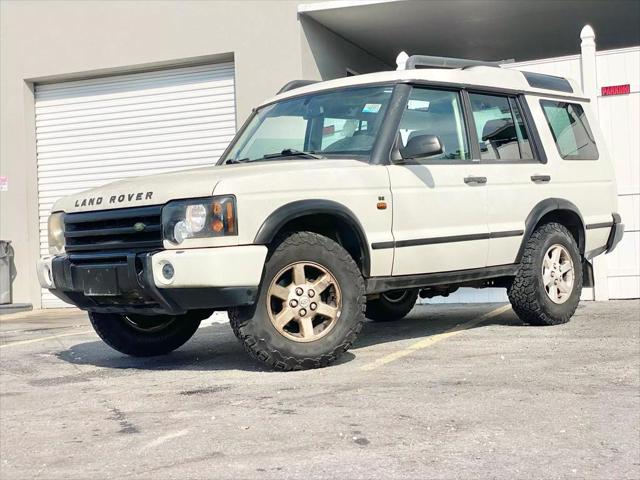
[(168, 271)]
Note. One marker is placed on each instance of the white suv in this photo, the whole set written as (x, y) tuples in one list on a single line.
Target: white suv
[(348, 198)]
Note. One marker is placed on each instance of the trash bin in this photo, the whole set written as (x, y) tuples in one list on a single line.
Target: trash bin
[(5, 272)]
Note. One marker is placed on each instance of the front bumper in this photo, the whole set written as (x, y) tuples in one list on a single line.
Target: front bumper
[(209, 278)]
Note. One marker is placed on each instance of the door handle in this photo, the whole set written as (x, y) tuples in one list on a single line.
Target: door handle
[(475, 180), (540, 178)]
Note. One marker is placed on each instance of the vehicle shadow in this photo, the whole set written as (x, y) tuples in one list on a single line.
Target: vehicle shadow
[(211, 348), (216, 348), (428, 320)]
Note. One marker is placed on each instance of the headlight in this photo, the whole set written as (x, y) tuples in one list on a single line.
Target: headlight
[(56, 233), (199, 218)]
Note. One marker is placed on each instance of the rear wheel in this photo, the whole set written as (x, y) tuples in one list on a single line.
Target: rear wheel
[(547, 287), (145, 335), (392, 305), (310, 306)]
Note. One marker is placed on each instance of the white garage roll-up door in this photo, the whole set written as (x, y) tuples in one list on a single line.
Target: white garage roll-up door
[(96, 131)]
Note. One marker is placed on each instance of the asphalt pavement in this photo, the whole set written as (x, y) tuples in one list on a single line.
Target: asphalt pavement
[(452, 391)]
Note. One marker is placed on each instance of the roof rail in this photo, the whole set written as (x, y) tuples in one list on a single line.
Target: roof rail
[(406, 62), (296, 84)]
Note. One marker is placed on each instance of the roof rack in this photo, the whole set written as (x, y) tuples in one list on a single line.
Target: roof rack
[(295, 84), (406, 62)]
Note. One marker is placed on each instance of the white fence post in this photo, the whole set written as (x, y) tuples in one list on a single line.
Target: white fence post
[(590, 88), (588, 65)]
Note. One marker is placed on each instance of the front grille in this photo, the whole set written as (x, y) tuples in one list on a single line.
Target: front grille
[(108, 230)]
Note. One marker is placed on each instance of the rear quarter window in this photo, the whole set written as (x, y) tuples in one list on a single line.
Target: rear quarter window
[(570, 129)]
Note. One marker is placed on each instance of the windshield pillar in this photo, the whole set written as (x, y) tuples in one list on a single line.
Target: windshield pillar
[(387, 135)]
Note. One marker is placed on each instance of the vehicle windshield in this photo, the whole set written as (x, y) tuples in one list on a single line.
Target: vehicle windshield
[(342, 123)]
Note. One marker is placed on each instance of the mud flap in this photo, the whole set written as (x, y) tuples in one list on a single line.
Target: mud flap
[(587, 274)]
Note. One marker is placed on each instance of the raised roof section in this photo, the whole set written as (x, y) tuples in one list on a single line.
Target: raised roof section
[(548, 82), (428, 61), (470, 75)]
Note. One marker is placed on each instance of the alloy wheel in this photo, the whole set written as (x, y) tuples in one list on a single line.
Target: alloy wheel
[(304, 301), (395, 296), (148, 324), (558, 273)]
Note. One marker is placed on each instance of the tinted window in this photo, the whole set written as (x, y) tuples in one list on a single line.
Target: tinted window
[(500, 128), (540, 80), (435, 113), (570, 129)]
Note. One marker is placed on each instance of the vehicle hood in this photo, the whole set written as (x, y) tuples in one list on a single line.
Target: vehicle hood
[(193, 183)]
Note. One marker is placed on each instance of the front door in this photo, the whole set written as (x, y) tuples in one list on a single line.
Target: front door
[(439, 200)]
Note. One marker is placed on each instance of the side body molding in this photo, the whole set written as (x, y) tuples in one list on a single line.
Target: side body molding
[(302, 208), (545, 207)]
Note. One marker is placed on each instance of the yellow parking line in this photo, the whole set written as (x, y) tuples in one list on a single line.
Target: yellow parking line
[(51, 313), (433, 339), (43, 339)]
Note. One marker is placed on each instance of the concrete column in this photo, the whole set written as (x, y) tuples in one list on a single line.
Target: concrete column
[(589, 77)]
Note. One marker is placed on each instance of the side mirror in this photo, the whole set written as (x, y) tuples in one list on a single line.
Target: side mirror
[(422, 146)]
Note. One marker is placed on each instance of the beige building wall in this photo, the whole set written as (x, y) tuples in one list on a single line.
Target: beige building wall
[(327, 55), (61, 40)]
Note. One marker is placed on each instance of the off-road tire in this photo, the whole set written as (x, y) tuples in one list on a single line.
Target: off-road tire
[(527, 293), (119, 334), (259, 337), (383, 309)]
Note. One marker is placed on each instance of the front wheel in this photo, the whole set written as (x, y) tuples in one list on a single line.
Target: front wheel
[(392, 305), (145, 335), (310, 307), (546, 290)]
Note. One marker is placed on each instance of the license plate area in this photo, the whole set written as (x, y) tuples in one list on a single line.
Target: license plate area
[(98, 281)]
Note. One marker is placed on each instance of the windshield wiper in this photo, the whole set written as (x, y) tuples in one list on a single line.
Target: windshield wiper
[(290, 152), (287, 152)]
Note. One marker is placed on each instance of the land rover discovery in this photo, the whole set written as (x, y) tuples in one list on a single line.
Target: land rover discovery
[(350, 198)]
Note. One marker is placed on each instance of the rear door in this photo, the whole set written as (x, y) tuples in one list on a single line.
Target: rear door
[(518, 176), (440, 201)]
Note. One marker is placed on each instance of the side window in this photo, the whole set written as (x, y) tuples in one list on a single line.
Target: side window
[(432, 127), (500, 128), (570, 129)]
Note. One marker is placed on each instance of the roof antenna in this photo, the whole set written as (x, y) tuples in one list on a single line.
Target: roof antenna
[(401, 60)]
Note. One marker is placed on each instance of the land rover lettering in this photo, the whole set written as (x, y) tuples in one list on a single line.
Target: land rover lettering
[(113, 199)]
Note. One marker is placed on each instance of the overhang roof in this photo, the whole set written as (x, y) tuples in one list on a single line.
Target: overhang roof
[(480, 29)]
